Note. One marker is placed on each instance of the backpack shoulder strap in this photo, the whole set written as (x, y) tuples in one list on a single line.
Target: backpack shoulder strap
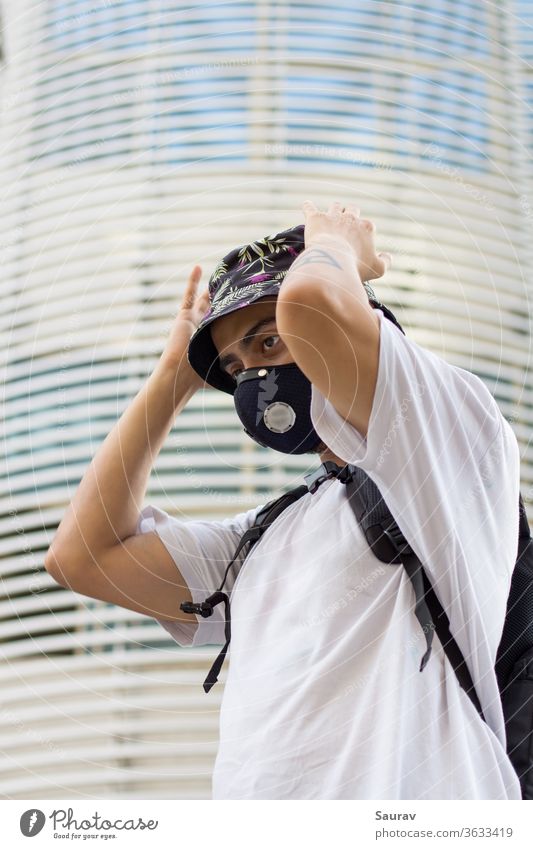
[(387, 542), (451, 649), (523, 528), (274, 508), (264, 518), (517, 633), (509, 640), (390, 546)]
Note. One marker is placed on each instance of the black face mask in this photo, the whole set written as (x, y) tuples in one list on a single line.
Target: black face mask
[(274, 405)]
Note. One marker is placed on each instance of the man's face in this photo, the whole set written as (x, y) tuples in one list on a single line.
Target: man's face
[(248, 338)]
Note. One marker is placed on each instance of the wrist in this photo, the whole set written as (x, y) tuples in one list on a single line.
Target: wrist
[(330, 240), (340, 248), (177, 382)]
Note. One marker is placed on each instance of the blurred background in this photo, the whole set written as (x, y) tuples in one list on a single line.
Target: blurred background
[(140, 138)]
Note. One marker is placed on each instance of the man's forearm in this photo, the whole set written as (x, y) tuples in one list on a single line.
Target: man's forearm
[(106, 506), (329, 264)]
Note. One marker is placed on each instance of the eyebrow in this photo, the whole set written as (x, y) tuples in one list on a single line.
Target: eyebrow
[(246, 341)]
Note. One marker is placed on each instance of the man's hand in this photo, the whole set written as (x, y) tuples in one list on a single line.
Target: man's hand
[(190, 313), (344, 226)]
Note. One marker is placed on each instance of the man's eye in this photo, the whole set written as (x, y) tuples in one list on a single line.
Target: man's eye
[(237, 371), (270, 337)]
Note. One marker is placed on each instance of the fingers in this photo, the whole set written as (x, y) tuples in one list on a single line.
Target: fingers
[(383, 264), (189, 295), (335, 208), (203, 299), (353, 209), (308, 206), (387, 259)]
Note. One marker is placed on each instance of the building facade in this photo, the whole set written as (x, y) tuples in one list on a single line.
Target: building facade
[(140, 138)]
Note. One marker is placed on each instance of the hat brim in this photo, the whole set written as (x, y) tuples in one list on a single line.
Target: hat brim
[(202, 353)]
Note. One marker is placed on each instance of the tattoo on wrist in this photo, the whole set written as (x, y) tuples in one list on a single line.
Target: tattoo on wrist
[(315, 255)]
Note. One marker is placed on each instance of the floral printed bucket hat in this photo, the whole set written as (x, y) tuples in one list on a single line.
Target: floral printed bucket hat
[(246, 274)]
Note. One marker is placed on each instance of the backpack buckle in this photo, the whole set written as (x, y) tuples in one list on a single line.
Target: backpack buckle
[(202, 609), (327, 470)]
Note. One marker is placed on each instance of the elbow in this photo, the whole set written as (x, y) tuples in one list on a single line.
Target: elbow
[(50, 562), (55, 566)]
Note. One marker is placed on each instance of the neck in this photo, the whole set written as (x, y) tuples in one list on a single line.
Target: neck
[(329, 455)]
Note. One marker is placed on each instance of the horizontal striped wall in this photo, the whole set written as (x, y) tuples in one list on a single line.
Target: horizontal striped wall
[(139, 139)]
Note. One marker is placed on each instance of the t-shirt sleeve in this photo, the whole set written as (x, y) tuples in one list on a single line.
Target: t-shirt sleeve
[(447, 464), (202, 550)]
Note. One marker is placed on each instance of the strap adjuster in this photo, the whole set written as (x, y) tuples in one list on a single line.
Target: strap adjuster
[(327, 470), (202, 609)]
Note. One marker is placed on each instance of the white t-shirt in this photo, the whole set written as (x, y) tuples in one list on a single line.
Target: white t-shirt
[(324, 698)]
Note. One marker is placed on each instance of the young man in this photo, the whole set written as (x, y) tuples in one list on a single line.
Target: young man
[(324, 696)]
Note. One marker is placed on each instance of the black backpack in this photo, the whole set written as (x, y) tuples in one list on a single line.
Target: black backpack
[(514, 659)]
